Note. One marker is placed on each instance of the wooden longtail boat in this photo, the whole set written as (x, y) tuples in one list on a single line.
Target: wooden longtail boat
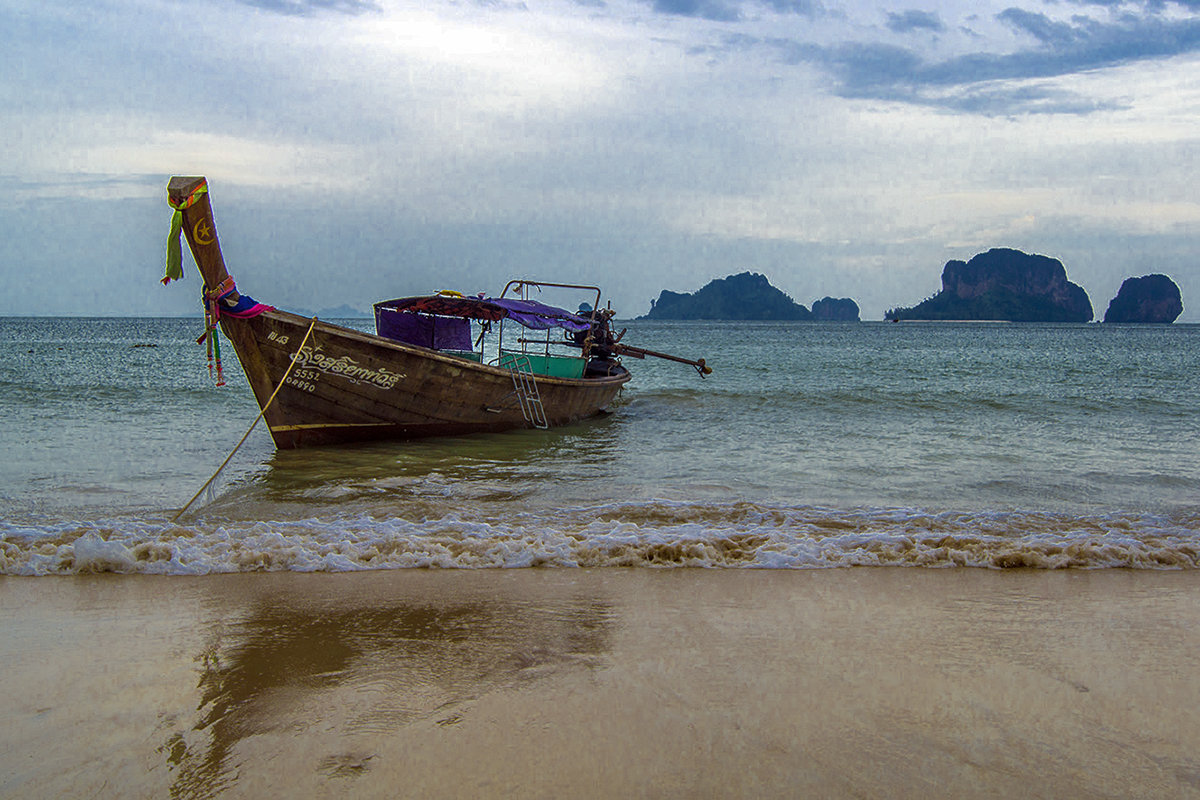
[(421, 374)]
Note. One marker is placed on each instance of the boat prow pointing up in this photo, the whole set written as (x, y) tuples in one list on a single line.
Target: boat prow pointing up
[(428, 370)]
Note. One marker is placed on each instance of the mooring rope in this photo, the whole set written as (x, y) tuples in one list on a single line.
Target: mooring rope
[(263, 411)]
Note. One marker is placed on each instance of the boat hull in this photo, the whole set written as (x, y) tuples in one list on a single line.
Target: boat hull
[(351, 386)]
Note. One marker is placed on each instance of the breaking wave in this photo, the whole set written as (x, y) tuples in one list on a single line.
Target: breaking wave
[(655, 533)]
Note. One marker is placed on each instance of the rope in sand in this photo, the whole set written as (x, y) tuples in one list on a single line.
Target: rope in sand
[(254, 424)]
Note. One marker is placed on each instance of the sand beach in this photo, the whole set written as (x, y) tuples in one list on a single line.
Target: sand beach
[(886, 682)]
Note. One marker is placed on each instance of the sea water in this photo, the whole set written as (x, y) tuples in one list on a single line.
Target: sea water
[(811, 445)]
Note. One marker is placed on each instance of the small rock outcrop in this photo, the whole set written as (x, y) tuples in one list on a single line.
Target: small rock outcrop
[(839, 309), (748, 296), (1004, 284), (1150, 298)]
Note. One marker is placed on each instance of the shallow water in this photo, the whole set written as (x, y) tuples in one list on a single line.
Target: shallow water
[(811, 445)]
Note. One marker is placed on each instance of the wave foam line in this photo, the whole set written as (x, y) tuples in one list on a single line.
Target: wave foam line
[(654, 534)]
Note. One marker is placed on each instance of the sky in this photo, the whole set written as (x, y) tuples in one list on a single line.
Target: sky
[(360, 150)]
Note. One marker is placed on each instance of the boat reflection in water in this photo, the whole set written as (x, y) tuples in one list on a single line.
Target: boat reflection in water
[(312, 674)]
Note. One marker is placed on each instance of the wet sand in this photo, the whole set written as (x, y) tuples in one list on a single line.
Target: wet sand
[(603, 683)]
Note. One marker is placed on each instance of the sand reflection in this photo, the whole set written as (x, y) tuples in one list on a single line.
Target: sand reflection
[(603, 683), (314, 666)]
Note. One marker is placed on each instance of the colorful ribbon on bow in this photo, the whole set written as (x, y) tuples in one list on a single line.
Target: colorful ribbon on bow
[(174, 249), (217, 301)]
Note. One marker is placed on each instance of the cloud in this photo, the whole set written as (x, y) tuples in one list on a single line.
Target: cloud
[(1020, 99), (704, 9), (1085, 44), (1155, 6), (306, 7), (808, 8), (986, 82), (1041, 27), (732, 10), (913, 20)]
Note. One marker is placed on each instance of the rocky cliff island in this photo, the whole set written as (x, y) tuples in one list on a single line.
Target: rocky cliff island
[(1148, 299), (1003, 284), (835, 309), (747, 296)]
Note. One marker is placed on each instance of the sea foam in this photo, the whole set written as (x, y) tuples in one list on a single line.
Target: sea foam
[(655, 533)]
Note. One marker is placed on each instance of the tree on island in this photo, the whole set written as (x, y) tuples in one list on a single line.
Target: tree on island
[(1003, 284)]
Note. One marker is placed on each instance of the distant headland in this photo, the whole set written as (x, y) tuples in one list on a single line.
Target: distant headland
[(339, 312), (1003, 284), (746, 296)]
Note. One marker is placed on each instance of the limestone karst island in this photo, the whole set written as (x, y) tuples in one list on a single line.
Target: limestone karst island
[(1009, 285), (1150, 298), (747, 296), (1003, 284), (1000, 285)]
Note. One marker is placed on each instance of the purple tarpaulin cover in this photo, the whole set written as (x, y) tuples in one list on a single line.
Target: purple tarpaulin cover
[(529, 313), (540, 316), (425, 330)]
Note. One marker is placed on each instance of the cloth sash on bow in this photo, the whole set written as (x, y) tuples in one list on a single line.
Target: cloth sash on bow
[(174, 250)]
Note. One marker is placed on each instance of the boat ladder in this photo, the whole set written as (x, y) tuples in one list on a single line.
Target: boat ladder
[(526, 388)]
